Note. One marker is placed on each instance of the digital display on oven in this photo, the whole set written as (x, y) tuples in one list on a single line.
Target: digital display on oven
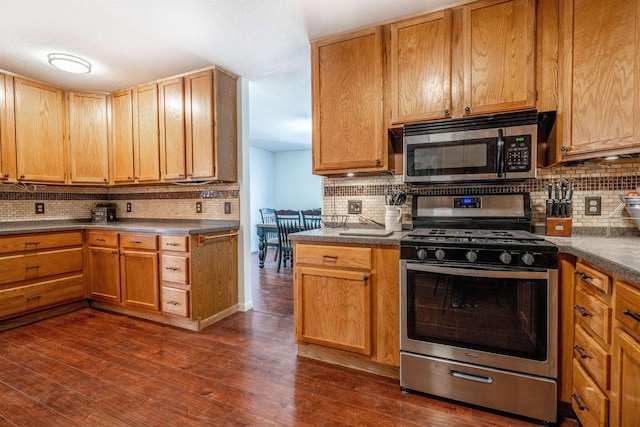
[(467, 202)]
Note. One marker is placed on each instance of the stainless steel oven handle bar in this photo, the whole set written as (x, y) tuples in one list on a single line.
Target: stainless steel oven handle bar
[(471, 377), (507, 274)]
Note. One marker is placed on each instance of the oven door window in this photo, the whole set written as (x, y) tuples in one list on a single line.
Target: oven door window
[(469, 157), (499, 315)]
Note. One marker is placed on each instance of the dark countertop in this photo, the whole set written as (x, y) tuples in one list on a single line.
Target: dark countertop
[(173, 226)]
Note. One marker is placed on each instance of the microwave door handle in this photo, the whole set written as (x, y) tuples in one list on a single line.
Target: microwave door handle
[(500, 154)]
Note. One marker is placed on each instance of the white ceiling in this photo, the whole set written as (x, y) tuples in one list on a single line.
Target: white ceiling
[(130, 42)]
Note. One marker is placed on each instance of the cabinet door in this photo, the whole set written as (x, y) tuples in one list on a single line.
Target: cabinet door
[(333, 308), (122, 139), (498, 56), (104, 274), (600, 75), (347, 91), (88, 150), (139, 276), (199, 120), (421, 68), (172, 131), (39, 128), (7, 130), (145, 136), (625, 405)]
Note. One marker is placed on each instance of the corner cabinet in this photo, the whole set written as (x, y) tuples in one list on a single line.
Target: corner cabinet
[(347, 74), (599, 100), (39, 132), (346, 305)]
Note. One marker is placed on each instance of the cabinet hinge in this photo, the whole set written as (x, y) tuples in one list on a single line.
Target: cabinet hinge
[(536, 95)]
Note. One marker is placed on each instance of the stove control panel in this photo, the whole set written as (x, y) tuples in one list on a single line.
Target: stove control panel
[(497, 257)]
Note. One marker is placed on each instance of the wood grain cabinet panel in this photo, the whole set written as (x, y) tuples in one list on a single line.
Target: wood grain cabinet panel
[(172, 129), (146, 132), (88, 143), (334, 256), (589, 403), (421, 68), (174, 243), (600, 78), (122, 137), (497, 56), (625, 405), (39, 242), (104, 274), (39, 132), (31, 297), (17, 268), (175, 301), (593, 314), (175, 269), (7, 130), (139, 279), (347, 90)]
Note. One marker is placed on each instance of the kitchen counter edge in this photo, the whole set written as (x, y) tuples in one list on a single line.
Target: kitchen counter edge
[(333, 236), (178, 226)]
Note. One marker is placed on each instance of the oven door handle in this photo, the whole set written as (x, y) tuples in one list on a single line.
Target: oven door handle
[(506, 274), (471, 377)]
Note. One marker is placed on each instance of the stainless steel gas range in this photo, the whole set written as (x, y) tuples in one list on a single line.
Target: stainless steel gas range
[(479, 297)]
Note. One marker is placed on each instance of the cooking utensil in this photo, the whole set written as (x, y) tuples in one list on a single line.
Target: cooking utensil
[(363, 219)]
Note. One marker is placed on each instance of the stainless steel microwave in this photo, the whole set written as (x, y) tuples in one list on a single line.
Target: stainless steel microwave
[(483, 148)]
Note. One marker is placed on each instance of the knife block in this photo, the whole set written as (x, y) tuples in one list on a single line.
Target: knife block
[(559, 226)]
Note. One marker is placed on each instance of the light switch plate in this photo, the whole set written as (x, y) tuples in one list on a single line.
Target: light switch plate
[(593, 205), (227, 208)]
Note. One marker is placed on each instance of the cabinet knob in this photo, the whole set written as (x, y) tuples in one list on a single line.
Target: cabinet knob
[(22, 176), (105, 179), (446, 112), (180, 175), (129, 177), (365, 278), (378, 162), (467, 109), (6, 175), (564, 149)]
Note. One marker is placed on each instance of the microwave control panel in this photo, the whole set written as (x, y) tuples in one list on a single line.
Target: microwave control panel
[(518, 153)]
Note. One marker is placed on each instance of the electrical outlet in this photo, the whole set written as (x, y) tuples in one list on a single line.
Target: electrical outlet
[(355, 207), (198, 207), (39, 208), (593, 205), (128, 207), (227, 208)]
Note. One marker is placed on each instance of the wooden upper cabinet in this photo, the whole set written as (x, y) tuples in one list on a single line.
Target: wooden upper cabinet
[(172, 130), (420, 82), (347, 90), (494, 51), (122, 137), (39, 132), (600, 78), (87, 133), (146, 131), (7, 130), (211, 125)]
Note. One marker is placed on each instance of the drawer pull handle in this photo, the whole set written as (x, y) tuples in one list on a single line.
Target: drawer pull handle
[(580, 351), (172, 268), (31, 267), (98, 239), (583, 311), (37, 297), (365, 278), (583, 276), (333, 258), (578, 400), (135, 242), (30, 244), (471, 377), (172, 244), (114, 252), (173, 303), (634, 316)]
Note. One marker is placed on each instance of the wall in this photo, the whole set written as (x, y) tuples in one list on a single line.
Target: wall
[(147, 201), (262, 179), (607, 180), (296, 187)]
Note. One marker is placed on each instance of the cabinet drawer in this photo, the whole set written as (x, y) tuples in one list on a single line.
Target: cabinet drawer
[(102, 238), (592, 356), (17, 268), (139, 241), (175, 269), (588, 402), (628, 308), (39, 295), (175, 243), (175, 301), (593, 314), (333, 256), (590, 276), (39, 242)]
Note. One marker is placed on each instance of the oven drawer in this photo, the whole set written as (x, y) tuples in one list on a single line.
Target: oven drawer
[(592, 313), (588, 402), (333, 256), (593, 357)]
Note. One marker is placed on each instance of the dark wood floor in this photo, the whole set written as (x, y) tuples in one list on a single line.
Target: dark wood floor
[(96, 368)]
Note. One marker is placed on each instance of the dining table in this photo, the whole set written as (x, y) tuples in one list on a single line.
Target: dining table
[(263, 230)]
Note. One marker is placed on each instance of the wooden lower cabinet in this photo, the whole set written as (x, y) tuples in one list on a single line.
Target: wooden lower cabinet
[(139, 279), (346, 305), (104, 274)]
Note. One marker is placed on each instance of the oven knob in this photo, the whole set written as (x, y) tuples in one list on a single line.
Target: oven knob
[(505, 257), (527, 259), (472, 256), (440, 254), (422, 254)]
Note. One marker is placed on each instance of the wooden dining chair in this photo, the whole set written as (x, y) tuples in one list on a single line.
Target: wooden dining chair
[(288, 222), (268, 216), (311, 219)]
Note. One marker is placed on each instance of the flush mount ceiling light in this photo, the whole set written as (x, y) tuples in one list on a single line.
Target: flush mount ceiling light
[(69, 63)]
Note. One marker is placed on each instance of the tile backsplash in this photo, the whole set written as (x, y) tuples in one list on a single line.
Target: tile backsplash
[(148, 201), (605, 180)]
